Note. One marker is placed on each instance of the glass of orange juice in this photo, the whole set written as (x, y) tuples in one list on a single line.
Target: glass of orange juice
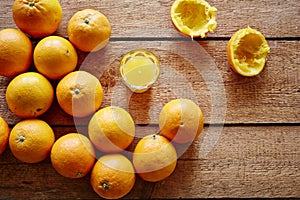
[(139, 69)]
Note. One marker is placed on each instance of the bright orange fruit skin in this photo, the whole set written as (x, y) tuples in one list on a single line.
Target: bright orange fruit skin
[(89, 30), (15, 52), (55, 57), (31, 140), (181, 121), (73, 155), (113, 176), (111, 129), (29, 95), (154, 158), (79, 93), (38, 18), (4, 134)]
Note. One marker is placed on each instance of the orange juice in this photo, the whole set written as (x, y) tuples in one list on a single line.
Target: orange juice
[(139, 70)]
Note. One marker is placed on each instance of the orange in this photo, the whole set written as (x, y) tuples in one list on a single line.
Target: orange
[(4, 134), (154, 158), (38, 18), (29, 95), (79, 93), (111, 129), (194, 18), (247, 51), (15, 52), (73, 155), (55, 57), (89, 30), (31, 140), (181, 120), (113, 176)]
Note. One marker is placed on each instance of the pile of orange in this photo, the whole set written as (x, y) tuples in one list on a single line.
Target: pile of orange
[(111, 129)]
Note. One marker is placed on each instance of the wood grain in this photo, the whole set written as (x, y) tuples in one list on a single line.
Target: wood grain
[(260, 161), (201, 74), (250, 145), (150, 18), (246, 160)]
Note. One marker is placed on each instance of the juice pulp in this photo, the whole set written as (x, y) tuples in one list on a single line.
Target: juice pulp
[(139, 70)]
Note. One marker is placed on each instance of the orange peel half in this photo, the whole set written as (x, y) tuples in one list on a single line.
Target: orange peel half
[(193, 18), (247, 51)]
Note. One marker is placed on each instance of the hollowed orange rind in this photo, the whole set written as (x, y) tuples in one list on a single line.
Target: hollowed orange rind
[(193, 18), (247, 51)]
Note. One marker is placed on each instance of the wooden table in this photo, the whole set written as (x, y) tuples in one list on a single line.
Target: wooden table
[(250, 146)]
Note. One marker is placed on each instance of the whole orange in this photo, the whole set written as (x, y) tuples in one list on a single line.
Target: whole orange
[(154, 158), (4, 134), (181, 120), (38, 18), (89, 30), (79, 93), (31, 140), (15, 52), (55, 57), (29, 95), (111, 129), (247, 51), (73, 155), (113, 176)]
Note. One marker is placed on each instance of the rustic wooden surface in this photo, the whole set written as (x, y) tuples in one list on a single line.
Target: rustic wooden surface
[(250, 146)]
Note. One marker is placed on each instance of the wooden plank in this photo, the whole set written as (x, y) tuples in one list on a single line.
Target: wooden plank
[(41, 181), (151, 18), (255, 154), (199, 72), (246, 161), (229, 180)]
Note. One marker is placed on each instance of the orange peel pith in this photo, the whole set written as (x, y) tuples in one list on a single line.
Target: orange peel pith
[(247, 51), (194, 18)]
